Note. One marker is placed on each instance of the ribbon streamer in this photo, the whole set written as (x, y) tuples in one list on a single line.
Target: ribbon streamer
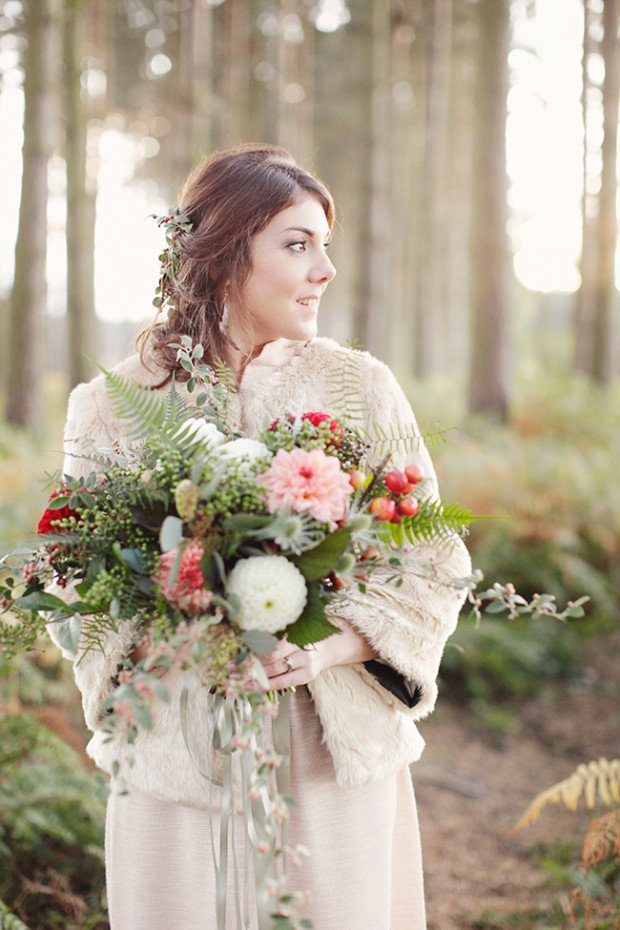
[(227, 717)]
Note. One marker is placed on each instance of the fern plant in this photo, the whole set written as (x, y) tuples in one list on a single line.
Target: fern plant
[(595, 781)]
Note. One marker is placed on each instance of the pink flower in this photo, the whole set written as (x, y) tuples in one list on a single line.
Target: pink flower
[(307, 481), (187, 591)]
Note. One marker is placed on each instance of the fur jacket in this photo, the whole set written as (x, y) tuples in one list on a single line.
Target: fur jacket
[(369, 731)]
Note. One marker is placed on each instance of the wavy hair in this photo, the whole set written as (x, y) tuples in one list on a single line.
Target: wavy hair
[(229, 198)]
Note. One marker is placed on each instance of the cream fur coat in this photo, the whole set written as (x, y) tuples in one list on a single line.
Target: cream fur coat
[(369, 732)]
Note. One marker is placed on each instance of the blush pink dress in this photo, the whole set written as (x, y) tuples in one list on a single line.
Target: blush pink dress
[(364, 871)]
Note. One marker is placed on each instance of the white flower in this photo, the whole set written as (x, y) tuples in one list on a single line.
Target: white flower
[(271, 591), (203, 431), (240, 449)]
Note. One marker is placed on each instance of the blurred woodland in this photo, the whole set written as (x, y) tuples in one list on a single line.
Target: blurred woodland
[(402, 106)]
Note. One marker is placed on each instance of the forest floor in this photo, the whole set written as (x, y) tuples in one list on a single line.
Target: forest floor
[(472, 785)]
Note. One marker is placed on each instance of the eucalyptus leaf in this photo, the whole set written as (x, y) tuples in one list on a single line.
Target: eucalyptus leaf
[(259, 642), (61, 501), (171, 533), (134, 559), (67, 634), (260, 675), (40, 600)]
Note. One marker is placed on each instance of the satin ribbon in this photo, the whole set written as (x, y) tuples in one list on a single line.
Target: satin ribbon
[(226, 717)]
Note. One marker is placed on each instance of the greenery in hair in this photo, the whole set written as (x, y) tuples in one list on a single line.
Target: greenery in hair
[(174, 223)]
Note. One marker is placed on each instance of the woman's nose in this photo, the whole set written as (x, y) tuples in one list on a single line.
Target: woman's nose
[(324, 270)]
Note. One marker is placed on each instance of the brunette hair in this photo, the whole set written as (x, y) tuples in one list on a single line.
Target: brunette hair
[(229, 198)]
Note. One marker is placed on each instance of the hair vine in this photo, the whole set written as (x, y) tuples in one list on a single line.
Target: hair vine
[(174, 223)]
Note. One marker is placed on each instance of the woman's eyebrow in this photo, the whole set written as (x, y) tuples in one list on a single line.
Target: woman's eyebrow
[(304, 229)]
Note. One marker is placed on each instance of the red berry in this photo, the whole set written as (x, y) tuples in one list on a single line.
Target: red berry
[(395, 481), (372, 552), (382, 508), (408, 488), (408, 507), (414, 474), (396, 518)]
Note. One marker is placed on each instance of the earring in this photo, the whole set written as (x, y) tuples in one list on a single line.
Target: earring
[(224, 320)]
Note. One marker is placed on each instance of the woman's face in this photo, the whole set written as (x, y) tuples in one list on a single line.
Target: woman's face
[(290, 271)]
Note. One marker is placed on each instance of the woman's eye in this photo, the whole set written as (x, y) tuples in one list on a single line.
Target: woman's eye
[(299, 246)]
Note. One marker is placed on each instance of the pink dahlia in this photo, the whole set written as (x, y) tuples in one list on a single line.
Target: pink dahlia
[(187, 591), (307, 482)]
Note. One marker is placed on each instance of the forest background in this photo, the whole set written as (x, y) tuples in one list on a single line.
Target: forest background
[(471, 146)]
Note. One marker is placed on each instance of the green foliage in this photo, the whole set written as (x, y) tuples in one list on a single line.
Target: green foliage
[(51, 828), (499, 661), (550, 478), (24, 459), (149, 412), (9, 921)]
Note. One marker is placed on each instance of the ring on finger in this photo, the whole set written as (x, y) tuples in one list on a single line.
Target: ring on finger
[(289, 663)]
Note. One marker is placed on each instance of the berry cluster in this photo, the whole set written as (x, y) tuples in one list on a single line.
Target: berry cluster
[(399, 504)]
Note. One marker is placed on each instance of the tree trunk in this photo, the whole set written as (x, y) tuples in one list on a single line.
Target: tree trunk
[(584, 310), (377, 261), (431, 333), (28, 298), (342, 133), (488, 377), (80, 225), (455, 268), (605, 295)]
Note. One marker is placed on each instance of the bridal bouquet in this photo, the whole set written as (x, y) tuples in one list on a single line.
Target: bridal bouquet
[(214, 545), (187, 521)]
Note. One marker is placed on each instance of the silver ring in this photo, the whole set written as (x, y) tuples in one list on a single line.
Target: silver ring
[(289, 663)]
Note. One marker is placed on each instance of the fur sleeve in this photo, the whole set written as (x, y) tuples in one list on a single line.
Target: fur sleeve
[(407, 625)]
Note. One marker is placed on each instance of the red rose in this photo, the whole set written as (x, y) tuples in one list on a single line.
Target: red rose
[(317, 418), (49, 518)]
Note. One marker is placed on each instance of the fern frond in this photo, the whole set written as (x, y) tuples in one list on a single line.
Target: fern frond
[(435, 436), (437, 521), (345, 388), (602, 840), (597, 780), (151, 414), (390, 440), (145, 411), (224, 375)]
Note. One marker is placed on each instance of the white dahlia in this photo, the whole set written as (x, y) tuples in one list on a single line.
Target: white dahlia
[(203, 431), (245, 451), (271, 590)]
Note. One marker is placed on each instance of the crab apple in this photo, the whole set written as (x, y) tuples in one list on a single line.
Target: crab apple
[(408, 507), (382, 508), (372, 552), (395, 481), (414, 474), (357, 479)]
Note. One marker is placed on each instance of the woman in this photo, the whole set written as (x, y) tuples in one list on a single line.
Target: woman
[(247, 284)]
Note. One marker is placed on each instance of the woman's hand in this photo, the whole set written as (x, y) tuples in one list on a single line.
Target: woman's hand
[(290, 666)]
